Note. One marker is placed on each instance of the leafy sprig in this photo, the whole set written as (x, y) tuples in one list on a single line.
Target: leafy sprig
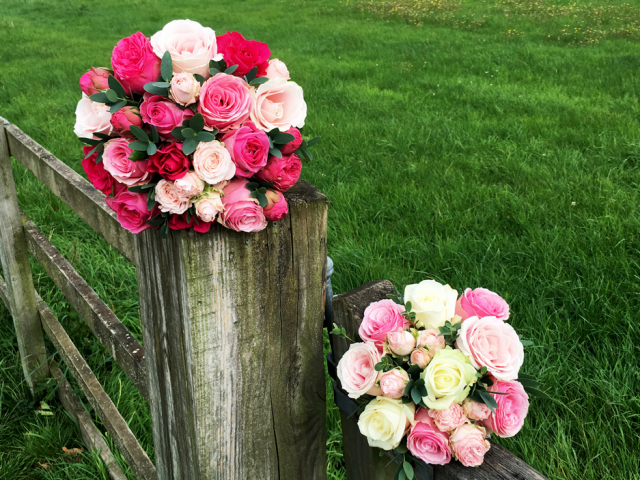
[(192, 132), (161, 87), (303, 149), (340, 332), (150, 190), (259, 193), (160, 220), (277, 140), (450, 332), (144, 145), (97, 144), (115, 96)]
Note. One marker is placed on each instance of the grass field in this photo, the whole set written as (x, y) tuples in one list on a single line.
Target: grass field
[(484, 143)]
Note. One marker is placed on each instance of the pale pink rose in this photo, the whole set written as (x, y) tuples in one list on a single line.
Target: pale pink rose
[(184, 89), (380, 318), (241, 212), (356, 370), (475, 410), (163, 114), (91, 117), (190, 45), (277, 69), (491, 343), (122, 120), (212, 162), (170, 199), (279, 104), (277, 208), (190, 185), (512, 409), (225, 102), (131, 210), (420, 357), (431, 340), (449, 419), (469, 445), (401, 342), (95, 80), (116, 161), (481, 302), (426, 442), (209, 206), (393, 382)]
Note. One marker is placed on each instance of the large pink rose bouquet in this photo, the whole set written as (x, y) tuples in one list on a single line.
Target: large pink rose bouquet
[(435, 374), (189, 128)]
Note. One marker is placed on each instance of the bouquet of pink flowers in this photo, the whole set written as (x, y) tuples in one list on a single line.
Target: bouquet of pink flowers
[(435, 374), (189, 129)]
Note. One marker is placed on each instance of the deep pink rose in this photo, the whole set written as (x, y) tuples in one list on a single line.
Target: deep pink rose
[(95, 80), (97, 175), (277, 208), (116, 161), (491, 343), (131, 209), (163, 114), (247, 54), (381, 318), (241, 212), (469, 445), (428, 443), (169, 161), (449, 419), (179, 222), (282, 172), (249, 149), (481, 302), (512, 409), (293, 145), (122, 120), (134, 63), (225, 102), (356, 370)]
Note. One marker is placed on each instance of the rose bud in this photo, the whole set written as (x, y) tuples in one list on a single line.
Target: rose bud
[(401, 342), (293, 145), (95, 80), (475, 410), (122, 120), (393, 382), (420, 357), (277, 69), (184, 89), (277, 207), (282, 172), (431, 340), (208, 206), (190, 185)]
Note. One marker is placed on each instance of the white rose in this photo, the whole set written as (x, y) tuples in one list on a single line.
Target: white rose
[(212, 162), (169, 198), (279, 104), (277, 69), (190, 44), (91, 117), (209, 206), (432, 302), (448, 379), (184, 89), (190, 185), (385, 421)]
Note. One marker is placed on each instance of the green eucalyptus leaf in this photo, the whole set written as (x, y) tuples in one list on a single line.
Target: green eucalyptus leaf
[(91, 152), (199, 78), (262, 199), (275, 152), (166, 66), (99, 97), (524, 375), (99, 158), (414, 372), (112, 96), (283, 138), (164, 230), (408, 469), (258, 81), (197, 122), (401, 449), (537, 393), (139, 133), (205, 136), (151, 202), (116, 86), (152, 89), (415, 395), (529, 383), (102, 136), (151, 148), (489, 401), (89, 141), (137, 155), (189, 146), (312, 142), (526, 343), (177, 134), (307, 154), (214, 71), (408, 387), (231, 69), (188, 132), (138, 146), (155, 137), (117, 106), (251, 74)]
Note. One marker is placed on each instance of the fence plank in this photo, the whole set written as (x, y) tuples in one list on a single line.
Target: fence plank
[(77, 193), (17, 271), (117, 339)]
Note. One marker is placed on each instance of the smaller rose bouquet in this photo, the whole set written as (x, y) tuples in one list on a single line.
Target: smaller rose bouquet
[(435, 374)]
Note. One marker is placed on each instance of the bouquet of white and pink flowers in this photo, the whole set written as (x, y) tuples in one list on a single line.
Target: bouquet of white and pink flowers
[(189, 129), (435, 374)]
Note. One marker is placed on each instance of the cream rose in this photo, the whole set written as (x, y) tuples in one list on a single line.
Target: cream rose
[(277, 69), (432, 302), (448, 379), (208, 206), (91, 117), (385, 421), (190, 185), (184, 89), (279, 104), (212, 162), (169, 198)]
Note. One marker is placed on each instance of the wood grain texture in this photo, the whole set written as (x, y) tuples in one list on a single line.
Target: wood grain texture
[(17, 272), (232, 326), (361, 460), (76, 192), (117, 339)]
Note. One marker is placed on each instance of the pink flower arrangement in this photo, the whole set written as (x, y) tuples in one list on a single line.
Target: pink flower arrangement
[(204, 128)]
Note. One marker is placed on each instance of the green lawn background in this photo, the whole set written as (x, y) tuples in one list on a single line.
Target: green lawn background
[(471, 155)]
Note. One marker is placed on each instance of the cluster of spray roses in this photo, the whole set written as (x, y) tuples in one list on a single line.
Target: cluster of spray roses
[(437, 373), (189, 129)]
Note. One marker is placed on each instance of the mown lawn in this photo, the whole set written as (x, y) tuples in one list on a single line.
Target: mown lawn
[(487, 143)]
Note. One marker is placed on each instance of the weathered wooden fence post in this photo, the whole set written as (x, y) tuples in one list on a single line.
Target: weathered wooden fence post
[(232, 327), (17, 273)]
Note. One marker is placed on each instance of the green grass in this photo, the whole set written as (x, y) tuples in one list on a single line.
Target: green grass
[(471, 155)]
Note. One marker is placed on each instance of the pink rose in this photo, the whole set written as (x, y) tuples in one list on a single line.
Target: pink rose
[(475, 410), (277, 69), (356, 370), (95, 80), (431, 340), (179, 222), (122, 120), (469, 445), (491, 343), (393, 382), (189, 185), (97, 175), (225, 102), (245, 53), (512, 409), (116, 161), (380, 318), (170, 198), (449, 419), (420, 357), (282, 172), (209, 206), (249, 149), (293, 145), (91, 117), (134, 63), (277, 207), (169, 161), (241, 212), (163, 114), (212, 162), (279, 104), (428, 443), (401, 342), (481, 302), (131, 210), (184, 89)]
